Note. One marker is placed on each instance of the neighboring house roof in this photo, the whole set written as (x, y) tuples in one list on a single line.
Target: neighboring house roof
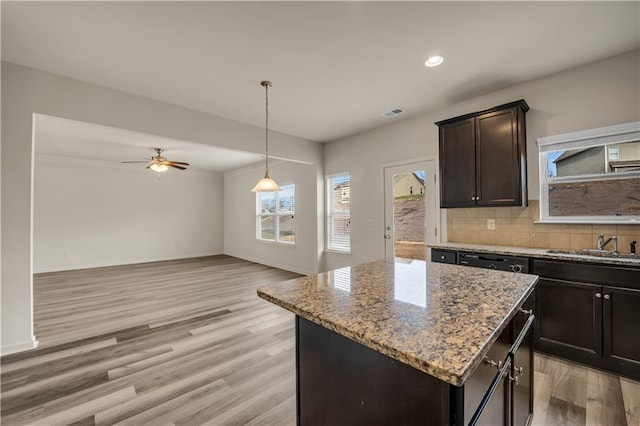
[(571, 153), (419, 178)]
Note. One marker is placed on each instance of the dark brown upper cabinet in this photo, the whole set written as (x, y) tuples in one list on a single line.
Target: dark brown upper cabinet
[(483, 158)]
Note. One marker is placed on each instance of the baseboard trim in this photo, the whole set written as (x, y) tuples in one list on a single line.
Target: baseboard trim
[(126, 263), (19, 346), (273, 264)]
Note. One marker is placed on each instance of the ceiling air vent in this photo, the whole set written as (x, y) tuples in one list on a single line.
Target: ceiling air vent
[(393, 112)]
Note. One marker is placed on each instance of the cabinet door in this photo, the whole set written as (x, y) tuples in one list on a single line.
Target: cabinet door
[(621, 333), (495, 413), (569, 319), (497, 159), (522, 388), (457, 164)]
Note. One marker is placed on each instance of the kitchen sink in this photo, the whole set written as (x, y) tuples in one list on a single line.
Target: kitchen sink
[(594, 252)]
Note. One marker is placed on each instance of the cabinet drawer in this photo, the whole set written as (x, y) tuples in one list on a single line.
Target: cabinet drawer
[(443, 256), (476, 386), (617, 276)]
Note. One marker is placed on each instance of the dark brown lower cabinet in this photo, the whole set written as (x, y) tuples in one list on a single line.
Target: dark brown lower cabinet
[(622, 327), (569, 318), (590, 314), (341, 382)]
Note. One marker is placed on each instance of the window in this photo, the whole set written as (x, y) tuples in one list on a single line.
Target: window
[(591, 176), (339, 213), (275, 217)]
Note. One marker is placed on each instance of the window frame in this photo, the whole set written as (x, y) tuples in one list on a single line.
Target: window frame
[(277, 214), (329, 211), (603, 136)]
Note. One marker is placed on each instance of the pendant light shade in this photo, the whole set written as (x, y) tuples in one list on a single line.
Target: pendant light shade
[(266, 183)]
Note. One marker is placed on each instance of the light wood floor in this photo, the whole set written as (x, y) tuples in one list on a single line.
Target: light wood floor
[(189, 342), (571, 394)]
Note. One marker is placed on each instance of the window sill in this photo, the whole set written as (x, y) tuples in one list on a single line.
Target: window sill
[(344, 253), (589, 222), (276, 243)]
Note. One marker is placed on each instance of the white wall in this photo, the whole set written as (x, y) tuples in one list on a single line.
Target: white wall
[(595, 95), (88, 214), (240, 217), (26, 91)]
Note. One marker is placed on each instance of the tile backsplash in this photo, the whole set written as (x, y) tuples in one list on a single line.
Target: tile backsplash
[(515, 227)]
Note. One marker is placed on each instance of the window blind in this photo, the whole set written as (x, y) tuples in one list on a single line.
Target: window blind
[(339, 212)]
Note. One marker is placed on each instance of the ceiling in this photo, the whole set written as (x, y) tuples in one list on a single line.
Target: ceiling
[(335, 66), (61, 138)]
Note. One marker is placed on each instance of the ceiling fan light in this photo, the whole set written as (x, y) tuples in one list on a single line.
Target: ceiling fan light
[(266, 184), (159, 167)]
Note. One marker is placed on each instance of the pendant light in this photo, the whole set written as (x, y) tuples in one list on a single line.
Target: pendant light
[(266, 183)]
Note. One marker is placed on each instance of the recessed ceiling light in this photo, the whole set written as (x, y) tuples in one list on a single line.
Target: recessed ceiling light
[(434, 61)]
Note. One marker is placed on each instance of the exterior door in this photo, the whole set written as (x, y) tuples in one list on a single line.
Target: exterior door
[(410, 209)]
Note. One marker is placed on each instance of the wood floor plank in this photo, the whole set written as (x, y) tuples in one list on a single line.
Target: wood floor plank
[(569, 381), (82, 411), (561, 412), (605, 405), (188, 402), (542, 396), (168, 390), (631, 399)]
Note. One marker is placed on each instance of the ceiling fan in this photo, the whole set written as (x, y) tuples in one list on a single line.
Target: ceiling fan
[(158, 163)]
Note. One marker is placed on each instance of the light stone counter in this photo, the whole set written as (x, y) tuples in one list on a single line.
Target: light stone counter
[(440, 319), (537, 253)]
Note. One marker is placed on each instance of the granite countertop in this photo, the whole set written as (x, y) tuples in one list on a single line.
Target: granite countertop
[(537, 253), (440, 319)]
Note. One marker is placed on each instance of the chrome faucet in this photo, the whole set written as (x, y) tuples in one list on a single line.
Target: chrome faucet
[(602, 243)]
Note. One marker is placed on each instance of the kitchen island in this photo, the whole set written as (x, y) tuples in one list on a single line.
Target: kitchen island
[(401, 341)]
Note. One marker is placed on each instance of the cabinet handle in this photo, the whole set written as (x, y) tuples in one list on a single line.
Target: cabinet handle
[(607, 296), (491, 362), (598, 295), (526, 311), (515, 379)]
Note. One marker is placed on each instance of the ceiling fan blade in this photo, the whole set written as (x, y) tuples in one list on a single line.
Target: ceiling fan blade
[(178, 162), (148, 167), (168, 163)]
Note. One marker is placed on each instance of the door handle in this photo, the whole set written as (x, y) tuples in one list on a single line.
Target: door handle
[(387, 236)]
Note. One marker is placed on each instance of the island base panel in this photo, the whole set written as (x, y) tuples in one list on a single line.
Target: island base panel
[(343, 382)]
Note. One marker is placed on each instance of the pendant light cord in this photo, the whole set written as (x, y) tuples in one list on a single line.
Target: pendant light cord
[(266, 85)]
